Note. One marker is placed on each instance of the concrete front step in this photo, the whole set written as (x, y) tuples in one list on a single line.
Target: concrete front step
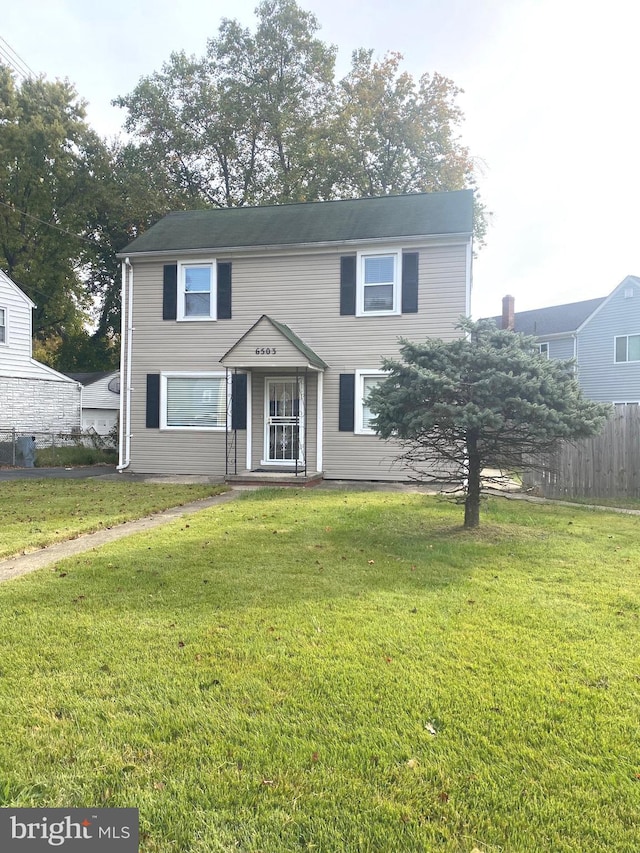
[(274, 478)]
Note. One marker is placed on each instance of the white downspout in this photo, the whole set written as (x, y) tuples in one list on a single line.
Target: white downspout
[(126, 330), (320, 421)]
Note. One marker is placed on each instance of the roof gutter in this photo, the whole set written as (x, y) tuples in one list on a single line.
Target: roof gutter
[(404, 239)]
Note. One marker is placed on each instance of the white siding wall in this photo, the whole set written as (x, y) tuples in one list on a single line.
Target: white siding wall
[(15, 352), (33, 397), (98, 396), (101, 420), (303, 291)]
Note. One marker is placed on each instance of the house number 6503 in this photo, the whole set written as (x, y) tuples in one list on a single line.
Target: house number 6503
[(265, 350)]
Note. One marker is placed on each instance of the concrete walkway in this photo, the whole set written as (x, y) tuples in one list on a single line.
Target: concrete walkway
[(22, 564)]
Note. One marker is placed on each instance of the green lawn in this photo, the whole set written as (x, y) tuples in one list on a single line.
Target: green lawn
[(35, 513), (337, 672)]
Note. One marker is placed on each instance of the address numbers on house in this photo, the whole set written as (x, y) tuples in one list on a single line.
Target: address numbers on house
[(265, 350)]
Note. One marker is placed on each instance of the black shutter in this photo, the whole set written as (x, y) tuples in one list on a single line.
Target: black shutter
[(348, 284), (410, 283), (239, 401), (153, 400), (170, 292), (224, 291), (346, 416)]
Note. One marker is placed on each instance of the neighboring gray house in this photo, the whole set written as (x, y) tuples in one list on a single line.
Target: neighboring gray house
[(253, 335), (34, 397), (602, 335), (100, 400)]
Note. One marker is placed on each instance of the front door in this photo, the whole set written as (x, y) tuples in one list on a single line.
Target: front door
[(283, 421)]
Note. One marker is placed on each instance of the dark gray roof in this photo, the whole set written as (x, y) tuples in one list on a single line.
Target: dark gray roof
[(90, 378), (553, 320), (417, 214)]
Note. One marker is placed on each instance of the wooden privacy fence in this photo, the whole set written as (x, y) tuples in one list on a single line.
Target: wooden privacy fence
[(606, 466)]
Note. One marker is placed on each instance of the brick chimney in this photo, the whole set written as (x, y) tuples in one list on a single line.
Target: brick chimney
[(508, 315)]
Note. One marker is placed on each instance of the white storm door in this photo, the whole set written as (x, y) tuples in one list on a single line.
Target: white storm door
[(284, 417)]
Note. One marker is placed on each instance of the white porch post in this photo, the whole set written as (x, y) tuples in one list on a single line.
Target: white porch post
[(249, 420)]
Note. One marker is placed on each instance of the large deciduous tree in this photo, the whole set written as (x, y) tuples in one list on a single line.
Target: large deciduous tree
[(68, 203), (44, 182), (50, 161), (261, 119), (246, 123), (485, 400)]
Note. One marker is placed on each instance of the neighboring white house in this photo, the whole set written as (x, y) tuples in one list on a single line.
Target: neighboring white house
[(34, 397), (100, 400)]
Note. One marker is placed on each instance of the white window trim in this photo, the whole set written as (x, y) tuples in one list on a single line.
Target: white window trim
[(191, 374), (615, 348), (213, 304), (544, 352), (397, 285), (359, 400), (6, 325)]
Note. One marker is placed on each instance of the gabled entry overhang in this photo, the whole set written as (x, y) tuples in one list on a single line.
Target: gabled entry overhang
[(272, 345)]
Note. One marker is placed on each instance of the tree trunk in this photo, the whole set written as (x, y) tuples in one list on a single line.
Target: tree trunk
[(472, 500)]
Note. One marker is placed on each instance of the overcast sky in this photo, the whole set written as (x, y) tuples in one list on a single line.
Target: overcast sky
[(550, 98)]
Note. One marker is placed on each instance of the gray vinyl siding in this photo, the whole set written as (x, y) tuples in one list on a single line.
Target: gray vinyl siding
[(600, 377), (560, 348), (301, 290)]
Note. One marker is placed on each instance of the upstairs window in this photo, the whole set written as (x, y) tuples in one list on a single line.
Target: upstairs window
[(196, 291), (627, 348), (3, 325), (543, 349), (378, 283)]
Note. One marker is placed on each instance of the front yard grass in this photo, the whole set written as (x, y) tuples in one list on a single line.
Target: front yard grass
[(35, 513), (337, 672)]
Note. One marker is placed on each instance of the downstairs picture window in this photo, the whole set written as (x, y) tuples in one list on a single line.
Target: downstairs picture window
[(193, 401)]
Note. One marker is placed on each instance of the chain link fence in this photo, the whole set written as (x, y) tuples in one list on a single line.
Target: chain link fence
[(54, 449)]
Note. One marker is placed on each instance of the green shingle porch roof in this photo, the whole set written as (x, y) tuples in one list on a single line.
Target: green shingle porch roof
[(306, 351), (415, 215)]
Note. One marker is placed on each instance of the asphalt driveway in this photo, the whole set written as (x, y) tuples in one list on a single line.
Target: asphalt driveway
[(56, 473)]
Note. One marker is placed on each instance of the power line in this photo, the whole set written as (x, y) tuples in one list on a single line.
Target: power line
[(14, 209), (14, 60)]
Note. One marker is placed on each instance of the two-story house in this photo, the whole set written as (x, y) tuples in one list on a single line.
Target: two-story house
[(34, 397), (602, 335), (252, 336)]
